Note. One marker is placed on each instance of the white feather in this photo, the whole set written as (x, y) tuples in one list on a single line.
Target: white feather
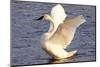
[(58, 14), (60, 35)]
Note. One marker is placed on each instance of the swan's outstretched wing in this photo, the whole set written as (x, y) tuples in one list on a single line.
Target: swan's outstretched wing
[(58, 13), (62, 38), (65, 32)]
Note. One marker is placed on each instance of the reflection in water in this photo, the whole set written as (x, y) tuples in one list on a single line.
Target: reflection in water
[(62, 60)]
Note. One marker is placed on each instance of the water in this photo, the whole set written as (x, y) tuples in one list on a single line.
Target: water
[(26, 32)]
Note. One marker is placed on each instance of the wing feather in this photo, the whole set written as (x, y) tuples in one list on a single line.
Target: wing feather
[(58, 13)]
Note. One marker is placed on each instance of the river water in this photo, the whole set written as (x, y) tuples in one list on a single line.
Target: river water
[(26, 32)]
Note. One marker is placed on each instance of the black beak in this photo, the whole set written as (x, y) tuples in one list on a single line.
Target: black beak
[(40, 18)]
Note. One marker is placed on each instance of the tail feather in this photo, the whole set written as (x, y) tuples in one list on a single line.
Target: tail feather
[(58, 52)]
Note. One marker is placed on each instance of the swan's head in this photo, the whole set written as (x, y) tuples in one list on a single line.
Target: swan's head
[(44, 17)]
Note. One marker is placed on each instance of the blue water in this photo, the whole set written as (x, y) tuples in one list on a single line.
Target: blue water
[(26, 32)]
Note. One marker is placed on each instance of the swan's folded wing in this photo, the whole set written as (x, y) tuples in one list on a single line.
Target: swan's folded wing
[(58, 13)]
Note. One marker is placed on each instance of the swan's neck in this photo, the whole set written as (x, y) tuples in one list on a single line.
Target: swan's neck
[(53, 27)]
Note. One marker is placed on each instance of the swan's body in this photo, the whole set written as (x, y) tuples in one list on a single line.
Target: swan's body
[(60, 33)]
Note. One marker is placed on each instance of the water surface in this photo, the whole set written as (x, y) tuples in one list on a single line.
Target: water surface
[(26, 32)]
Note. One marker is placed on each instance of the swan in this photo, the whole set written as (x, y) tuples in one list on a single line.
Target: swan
[(60, 33)]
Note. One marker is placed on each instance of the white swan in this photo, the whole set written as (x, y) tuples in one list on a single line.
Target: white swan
[(61, 32)]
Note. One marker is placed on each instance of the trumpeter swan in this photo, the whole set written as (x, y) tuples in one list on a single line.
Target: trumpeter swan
[(61, 32)]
